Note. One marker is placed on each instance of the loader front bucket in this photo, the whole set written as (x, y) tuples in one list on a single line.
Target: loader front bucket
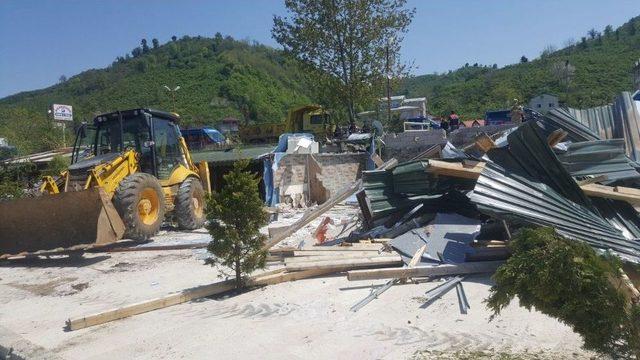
[(58, 222)]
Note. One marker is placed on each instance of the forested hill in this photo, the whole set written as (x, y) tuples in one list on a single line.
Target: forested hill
[(586, 73), (218, 77)]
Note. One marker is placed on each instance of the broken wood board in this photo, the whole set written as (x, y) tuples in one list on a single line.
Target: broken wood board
[(468, 170), (331, 256), (299, 254), (161, 302), (290, 276), (346, 264), (608, 192), (321, 209), (439, 270)]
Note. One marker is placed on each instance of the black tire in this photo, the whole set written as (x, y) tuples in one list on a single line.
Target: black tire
[(127, 200), (190, 205)]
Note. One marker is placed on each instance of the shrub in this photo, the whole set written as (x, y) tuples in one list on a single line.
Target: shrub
[(235, 216), (568, 280)]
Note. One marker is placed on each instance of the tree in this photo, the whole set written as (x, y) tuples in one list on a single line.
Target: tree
[(548, 50), (592, 33), (524, 59), (136, 52), (174, 38), (632, 27), (62, 78), (568, 280), (155, 43), (608, 30), (563, 71), (145, 47), (347, 42), (583, 43), (235, 215)]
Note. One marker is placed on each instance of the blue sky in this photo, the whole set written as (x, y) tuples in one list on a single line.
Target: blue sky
[(41, 40)]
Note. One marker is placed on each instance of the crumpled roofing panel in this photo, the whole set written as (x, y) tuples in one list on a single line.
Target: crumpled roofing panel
[(600, 157), (526, 182), (505, 195)]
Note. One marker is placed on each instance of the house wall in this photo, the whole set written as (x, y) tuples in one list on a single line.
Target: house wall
[(404, 146), (316, 177), (543, 103)]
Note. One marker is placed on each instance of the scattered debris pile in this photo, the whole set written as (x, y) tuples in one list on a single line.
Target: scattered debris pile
[(449, 212)]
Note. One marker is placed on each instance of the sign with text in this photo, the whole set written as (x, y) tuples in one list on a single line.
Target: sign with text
[(62, 112)]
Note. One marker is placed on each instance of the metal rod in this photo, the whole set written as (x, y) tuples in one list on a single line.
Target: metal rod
[(374, 295)]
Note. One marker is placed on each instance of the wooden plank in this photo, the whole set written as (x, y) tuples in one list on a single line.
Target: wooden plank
[(469, 170), (331, 256), (556, 137), (415, 260), (290, 276), (440, 270), (319, 210), (156, 248), (334, 253), (608, 192), (159, 303), (347, 264)]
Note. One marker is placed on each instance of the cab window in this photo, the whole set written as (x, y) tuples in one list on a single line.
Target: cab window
[(167, 146)]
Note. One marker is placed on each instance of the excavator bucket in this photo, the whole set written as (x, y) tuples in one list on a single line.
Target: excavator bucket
[(66, 221)]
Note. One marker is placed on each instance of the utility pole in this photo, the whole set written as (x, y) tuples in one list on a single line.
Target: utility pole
[(173, 95), (388, 81)]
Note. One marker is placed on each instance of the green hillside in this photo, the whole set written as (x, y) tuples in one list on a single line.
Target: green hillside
[(601, 64), (218, 77)]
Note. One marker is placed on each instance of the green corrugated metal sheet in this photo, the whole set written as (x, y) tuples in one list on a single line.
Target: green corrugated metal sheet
[(232, 154)]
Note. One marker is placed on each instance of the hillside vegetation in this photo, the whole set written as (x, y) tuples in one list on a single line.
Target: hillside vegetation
[(221, 77), (589, 72), (218, 77)]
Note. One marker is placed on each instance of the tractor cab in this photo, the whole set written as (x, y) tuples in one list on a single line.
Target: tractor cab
[(154, 136)]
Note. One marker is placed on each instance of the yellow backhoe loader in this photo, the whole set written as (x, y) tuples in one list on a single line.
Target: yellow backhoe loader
[(129, 172)]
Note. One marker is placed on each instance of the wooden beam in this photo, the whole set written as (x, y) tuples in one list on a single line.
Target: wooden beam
[(290, 276), (473, 170), (470, 170), (320, 209), (556, 137), (161, 302), (616, 193), (346, 264), (415, 260), (439, 270), (330, 256)]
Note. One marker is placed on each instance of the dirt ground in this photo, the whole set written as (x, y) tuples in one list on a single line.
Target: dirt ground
[(306, 319)]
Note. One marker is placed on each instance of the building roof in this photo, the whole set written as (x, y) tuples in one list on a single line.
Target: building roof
[(231, 155), (393, 98), (416, 99), (469, 123)]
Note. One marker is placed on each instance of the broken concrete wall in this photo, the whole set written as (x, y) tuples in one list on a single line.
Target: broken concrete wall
[(316, 177), (466, 136), (404, 146)]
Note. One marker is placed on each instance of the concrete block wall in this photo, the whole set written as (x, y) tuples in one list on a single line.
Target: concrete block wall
[(404, 146), (339, 170), (465, 136), (317, 176)]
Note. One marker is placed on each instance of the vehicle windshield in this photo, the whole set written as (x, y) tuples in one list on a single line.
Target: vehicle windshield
[(134, 134)]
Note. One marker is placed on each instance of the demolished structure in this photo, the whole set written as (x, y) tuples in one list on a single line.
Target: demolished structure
[(450, 211)]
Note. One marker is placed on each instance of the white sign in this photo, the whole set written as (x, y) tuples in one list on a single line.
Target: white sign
[(62, 112)]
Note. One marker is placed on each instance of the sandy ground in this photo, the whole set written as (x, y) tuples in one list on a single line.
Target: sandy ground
[(307, 319)]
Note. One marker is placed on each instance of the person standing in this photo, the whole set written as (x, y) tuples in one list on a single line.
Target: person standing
[(454, 121)]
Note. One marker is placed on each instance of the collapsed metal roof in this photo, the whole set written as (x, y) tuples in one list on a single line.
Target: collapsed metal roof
[(600, 157), (619, 120), (526, 182)]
